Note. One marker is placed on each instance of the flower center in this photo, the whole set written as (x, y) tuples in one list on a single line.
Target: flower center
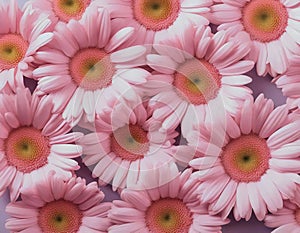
[(66, 10), (27, 149), (156, 15), (246, 158), (91, 69), (266, 20), (197, 81), (60, 217), (168, 216), (12, 50), (130, 142)]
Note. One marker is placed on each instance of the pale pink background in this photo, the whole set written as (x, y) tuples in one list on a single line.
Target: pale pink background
[(259, 85)]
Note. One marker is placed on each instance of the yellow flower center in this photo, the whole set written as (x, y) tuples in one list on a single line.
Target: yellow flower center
[(70, 9), (246, 158), (156, 14), (12, 50), (27, 149), (60, 217), (168, 215), (265, 20)]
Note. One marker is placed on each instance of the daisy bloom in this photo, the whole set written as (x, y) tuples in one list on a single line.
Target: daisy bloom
[(273, 26), (286, 219), (22, 34), (127, 144), (60, 10), (83, 62), (154, 19), (60, 206), (254, 166), (201, 77), (33, 142), (171, 207)]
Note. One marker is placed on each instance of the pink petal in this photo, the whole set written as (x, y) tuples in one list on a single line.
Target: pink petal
[(238, 68), (262, 59), (256, 201), (119, 38), (278, 60), (128, 227), (12, 120), (128, 54), (275, 120), (270, 194), (23, 107), (242, 200), (284, 135), (246, 117)]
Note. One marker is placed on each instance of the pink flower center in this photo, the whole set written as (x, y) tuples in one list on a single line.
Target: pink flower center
[(156, 15), (266, 20), (60, 217), (91, 69), (27, 149), (168, 216), (246, 158), (130, 142), (12, 50), (66, 10), (197, 81)]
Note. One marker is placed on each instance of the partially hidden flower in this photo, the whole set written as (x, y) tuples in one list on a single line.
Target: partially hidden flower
[(198, 77), (33, 142), (59, 205), (60, 10), (273, 26), (286, 219), (170, 207), (289, 82), (127, 143), (22, 34), (83, 63), (155, 20)]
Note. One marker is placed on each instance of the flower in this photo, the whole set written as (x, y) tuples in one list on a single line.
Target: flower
[(22, 34), (33, 142), (253, 165), (60, 10), (273, 26), (288, 82), (155, 19), (127, 143), (199, 77), (170, 207), (286, 219), (59, 205), (84, 63)]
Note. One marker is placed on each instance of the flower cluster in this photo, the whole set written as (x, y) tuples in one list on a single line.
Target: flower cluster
[(150, 97)]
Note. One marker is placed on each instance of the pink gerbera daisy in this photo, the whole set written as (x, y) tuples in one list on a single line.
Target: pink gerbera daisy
[(171, 207), (127, 144), (201, 77), (154, 19), (254, 166), (83, 63), (22, 34), (273, 26), (286, 219), (60, 206), (60, 10), (33, 141)]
